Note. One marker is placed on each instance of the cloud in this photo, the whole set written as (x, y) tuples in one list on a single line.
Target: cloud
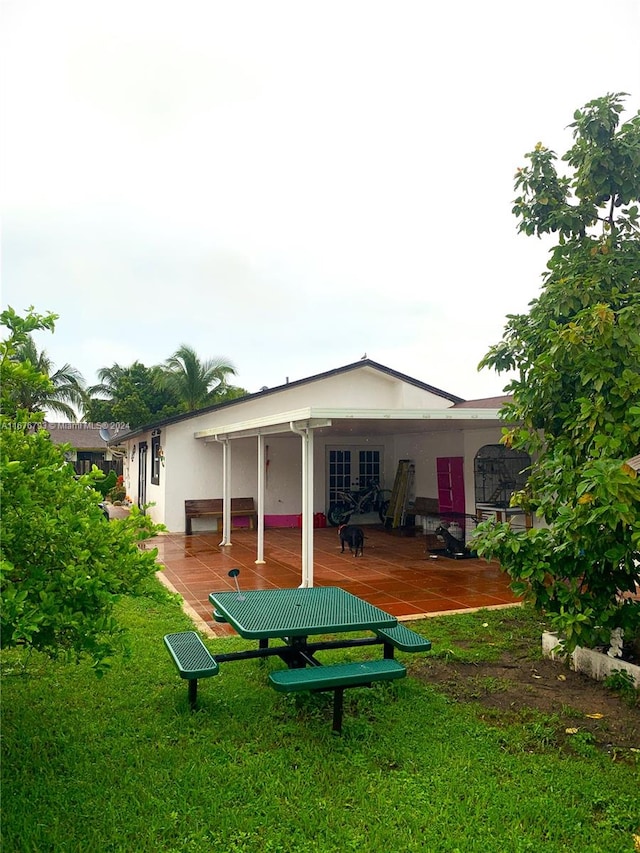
[(285, 184)]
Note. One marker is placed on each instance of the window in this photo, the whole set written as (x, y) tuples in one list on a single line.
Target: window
[(156, 457)]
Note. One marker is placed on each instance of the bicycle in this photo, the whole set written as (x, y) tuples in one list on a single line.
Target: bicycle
[(369, 499)]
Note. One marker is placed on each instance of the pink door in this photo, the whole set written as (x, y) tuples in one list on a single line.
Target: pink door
[(451, 486)]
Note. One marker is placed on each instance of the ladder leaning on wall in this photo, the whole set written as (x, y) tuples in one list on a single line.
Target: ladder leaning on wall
[(402, 486)]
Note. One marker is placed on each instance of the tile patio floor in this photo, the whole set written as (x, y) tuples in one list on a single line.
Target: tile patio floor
[(396, 572)]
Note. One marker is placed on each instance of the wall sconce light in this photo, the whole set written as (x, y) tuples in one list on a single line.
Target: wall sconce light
[(133, 452)]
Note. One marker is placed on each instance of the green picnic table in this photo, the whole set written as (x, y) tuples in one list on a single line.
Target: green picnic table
[(295, 618)]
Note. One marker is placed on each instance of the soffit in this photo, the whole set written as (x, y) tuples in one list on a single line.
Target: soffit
[(328, 422)]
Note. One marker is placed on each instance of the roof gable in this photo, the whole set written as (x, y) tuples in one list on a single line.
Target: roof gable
[(366, 365)]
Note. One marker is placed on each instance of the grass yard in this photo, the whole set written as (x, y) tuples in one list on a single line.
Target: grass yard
[(120, 764)]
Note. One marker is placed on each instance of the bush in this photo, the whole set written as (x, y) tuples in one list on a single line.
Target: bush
[(106, 485), (62, 564), (576, 358), (118, 492)]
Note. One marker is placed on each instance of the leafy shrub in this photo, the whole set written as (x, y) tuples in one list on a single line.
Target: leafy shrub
[(62, 564), (576, 358), (106, 485), (118, 492)]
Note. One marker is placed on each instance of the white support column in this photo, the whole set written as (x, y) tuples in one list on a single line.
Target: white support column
[(305, 517), (261, 464), (226, 492), (307, 504), (307, 531)]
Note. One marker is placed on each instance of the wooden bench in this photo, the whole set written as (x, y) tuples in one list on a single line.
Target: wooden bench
[(424, 506), (402, 638), (212, 508), (192, 658), (337, 677)]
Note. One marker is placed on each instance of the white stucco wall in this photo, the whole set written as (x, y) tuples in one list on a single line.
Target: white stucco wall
[(424, 450), (364, 389), (155, 494), (193, 467)]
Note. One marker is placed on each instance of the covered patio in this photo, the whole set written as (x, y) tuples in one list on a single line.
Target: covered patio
[(396, 572)]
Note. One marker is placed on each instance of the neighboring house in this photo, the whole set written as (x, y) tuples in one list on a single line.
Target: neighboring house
[(293, 447), (89, 444)]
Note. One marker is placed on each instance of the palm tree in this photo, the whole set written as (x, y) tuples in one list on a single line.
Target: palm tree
[(67, 387), (109, 378), (196, 383)]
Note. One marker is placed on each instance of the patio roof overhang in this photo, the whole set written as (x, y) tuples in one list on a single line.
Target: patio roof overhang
[(341, 421), (307, 422)]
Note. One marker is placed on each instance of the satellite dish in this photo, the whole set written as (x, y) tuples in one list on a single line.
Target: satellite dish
[(105, 435)]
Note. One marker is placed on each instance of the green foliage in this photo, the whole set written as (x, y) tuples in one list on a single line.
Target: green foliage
[(62, 564), (16, 374), (67, 393), (104, 486), (622, 682), (575, 401), (413, 771), (130, 395), (198, 383), (139, 395), (117, 492)]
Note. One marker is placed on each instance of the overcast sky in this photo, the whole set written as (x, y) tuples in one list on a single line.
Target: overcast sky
[(288, 185)]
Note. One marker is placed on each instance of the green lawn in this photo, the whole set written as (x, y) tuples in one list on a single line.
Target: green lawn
[(120, 764)]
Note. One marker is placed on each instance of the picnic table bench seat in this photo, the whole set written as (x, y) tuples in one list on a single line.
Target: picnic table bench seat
[(192, 659), (402, 638), (336, 677), (213, 508)]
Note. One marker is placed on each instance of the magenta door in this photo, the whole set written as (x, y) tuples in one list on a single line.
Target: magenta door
[(450, 484)]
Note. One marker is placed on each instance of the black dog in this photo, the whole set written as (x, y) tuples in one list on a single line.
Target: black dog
[(353, 536), (453, 545)]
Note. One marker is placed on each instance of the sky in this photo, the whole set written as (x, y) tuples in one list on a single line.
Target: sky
[(284, 184)]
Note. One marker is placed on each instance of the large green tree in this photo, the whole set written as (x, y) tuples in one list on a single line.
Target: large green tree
[(62, 564), (130, 395), (576, 395), (198, 383), (65, 393)]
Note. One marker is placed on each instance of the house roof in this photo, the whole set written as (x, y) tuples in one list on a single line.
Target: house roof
[(485, 402), (81, 436), (365, 363)]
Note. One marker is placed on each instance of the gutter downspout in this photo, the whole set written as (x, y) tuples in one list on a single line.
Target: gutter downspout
[(307, 503)]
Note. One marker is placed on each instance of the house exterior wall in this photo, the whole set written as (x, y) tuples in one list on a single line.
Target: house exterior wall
[(423, 450), (362, 390), (193, 468)]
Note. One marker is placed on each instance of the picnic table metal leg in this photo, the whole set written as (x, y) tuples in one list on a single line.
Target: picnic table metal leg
[(338, 695), (193, 692)]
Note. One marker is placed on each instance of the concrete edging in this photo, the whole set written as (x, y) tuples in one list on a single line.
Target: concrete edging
[(596, 665)]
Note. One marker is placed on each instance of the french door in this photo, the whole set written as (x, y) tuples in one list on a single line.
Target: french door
[(351, 468)]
